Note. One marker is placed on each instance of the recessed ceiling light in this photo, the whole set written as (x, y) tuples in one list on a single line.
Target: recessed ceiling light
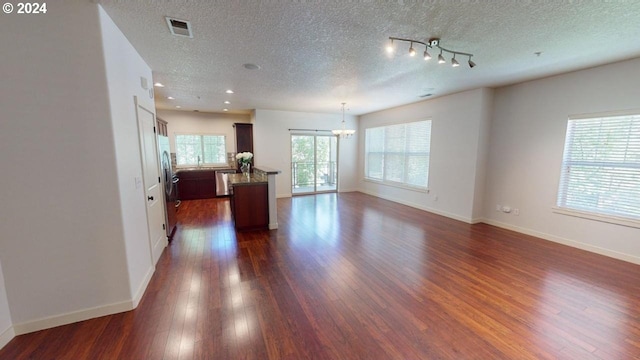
[(229, 91), (170, 98), (227, 102), (178, 107), (158, 84), (225, 109), (251, 66)]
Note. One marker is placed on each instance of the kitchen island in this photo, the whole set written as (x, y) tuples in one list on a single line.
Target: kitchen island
[(252, 199)]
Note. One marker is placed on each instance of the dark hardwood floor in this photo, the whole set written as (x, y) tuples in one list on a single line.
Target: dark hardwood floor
[(351, 276)]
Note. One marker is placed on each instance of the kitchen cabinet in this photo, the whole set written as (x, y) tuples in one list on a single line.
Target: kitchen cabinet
[(197, 184), (244, 137)]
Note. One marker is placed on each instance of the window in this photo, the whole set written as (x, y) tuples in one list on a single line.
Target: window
[(601, 166), (399, 154), (200, 150)]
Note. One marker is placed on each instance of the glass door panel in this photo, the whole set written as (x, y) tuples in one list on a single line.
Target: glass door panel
[(314, 163)]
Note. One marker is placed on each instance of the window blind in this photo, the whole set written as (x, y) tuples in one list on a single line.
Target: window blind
[(601, 166), (399, 154)]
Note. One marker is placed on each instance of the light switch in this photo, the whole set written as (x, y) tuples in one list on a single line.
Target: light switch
[(138, 181)]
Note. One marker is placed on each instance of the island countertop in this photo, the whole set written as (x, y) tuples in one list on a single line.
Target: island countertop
[(252, 179)]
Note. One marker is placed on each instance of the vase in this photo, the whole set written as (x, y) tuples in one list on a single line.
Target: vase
[(245, 168)]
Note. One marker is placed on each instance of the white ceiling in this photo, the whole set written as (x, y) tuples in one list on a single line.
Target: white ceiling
[(314, 55)]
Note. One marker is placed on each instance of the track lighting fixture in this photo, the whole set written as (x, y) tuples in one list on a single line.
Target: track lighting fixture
[(434, 43)]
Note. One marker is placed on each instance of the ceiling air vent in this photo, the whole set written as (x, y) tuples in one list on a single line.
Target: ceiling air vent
[(179, 27)]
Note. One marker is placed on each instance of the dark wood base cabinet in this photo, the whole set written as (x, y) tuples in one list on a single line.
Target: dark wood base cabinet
[(197, 184), (250, 206)]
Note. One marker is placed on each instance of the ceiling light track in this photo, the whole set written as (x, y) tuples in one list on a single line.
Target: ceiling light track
[(434, 43)]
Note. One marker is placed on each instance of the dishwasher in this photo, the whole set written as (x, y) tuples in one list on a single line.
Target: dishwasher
[(222, 187)]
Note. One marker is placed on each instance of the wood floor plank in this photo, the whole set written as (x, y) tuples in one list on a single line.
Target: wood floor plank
[(351, 276)]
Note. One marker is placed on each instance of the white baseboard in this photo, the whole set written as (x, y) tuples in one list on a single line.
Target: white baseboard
[(72, 317), (6, 336), (420, 207), (143, 286), (564, 241)]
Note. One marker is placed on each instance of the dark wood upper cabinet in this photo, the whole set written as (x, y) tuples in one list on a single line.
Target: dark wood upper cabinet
[(244, 137)]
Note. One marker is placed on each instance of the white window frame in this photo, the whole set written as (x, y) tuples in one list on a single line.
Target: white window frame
[(625, 169), (204, 161), (403, 184)]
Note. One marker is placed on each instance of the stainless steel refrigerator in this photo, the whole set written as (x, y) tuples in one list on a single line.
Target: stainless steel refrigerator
[(170, 183)]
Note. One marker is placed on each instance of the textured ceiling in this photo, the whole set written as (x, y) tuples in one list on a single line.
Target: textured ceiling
[(315, 55)]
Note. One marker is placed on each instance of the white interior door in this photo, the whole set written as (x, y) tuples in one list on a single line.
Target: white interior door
[(151, 179)]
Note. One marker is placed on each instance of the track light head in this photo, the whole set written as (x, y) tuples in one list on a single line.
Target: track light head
[(471, 63), (427, 56), (390, 47), (441, 59), (454, 62), (412, 51)]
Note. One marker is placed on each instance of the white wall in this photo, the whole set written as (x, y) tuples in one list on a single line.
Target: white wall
[(459, 135), (527, 140), (272, 144), (6, 328), (62, 250), (124, 68), (190, 122)]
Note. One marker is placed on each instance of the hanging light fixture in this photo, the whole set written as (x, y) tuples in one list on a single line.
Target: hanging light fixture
[(433, 43), (343, 133)]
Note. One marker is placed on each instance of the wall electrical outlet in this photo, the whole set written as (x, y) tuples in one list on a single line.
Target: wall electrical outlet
[(516, 212), (498, 207)]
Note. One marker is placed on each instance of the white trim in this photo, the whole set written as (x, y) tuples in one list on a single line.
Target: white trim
[(72, 317), (394, 184), (611, 219), (420, 207), (565, 241), (142, 288), (7, 336), (604, 114)]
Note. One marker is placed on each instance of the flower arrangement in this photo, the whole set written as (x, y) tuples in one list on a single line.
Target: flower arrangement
[(244, 157)]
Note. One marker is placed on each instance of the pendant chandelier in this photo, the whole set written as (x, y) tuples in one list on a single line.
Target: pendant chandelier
[(343, 133)]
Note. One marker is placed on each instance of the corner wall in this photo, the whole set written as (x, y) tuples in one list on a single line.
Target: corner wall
[(63, 252), (525, 155), (124, 68), (459, 137)]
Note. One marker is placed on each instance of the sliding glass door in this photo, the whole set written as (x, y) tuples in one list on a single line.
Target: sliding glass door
[(314, 163)]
